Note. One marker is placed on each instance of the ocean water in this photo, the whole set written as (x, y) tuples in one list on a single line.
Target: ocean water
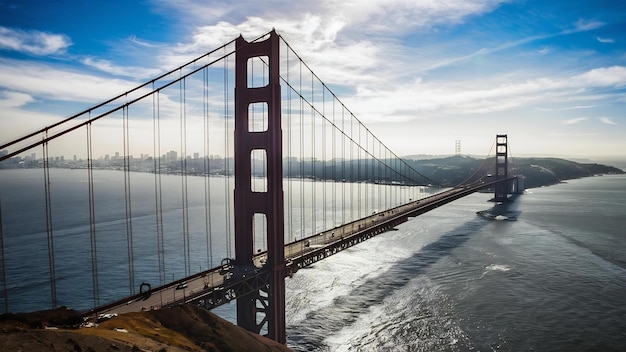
[(547, 272)]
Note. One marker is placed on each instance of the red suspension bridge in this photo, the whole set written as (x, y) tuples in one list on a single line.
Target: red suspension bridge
[(249, 187)]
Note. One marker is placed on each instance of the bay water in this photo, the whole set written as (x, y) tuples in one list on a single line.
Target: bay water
[(545, 272)]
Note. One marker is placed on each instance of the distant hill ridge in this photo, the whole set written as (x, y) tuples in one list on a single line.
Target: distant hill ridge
[(453, 170)]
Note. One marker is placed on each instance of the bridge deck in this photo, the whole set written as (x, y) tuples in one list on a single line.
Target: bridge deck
[(222, 284)]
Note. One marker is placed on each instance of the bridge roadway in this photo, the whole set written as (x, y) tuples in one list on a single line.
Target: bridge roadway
[(220, 285)]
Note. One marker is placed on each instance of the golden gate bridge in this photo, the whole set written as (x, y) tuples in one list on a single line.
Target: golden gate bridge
[(289, 176)]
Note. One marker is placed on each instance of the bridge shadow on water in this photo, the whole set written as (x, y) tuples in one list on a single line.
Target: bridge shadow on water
[(310, 333)]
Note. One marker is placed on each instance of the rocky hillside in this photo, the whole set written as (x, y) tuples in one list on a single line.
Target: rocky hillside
[(451, 171), (183, 328)]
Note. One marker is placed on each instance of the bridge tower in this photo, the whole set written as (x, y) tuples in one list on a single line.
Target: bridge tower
[(502, 168), (267, 305)]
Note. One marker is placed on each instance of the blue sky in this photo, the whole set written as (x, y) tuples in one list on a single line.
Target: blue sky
[(420, 74)]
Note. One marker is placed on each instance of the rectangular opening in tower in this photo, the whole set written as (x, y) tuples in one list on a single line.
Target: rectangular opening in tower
[(257, 117), (258, 71), (259, 226), (258, 166)]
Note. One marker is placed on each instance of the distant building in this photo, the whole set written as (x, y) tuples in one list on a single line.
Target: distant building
[(172, 155)]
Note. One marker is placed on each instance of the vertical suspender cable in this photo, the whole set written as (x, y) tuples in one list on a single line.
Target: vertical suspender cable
[(302, 219), (352, 177), (379, 177), (313, 183), (385, 165), (392, 189), (5, 290), (207, 173), (290, 157), (395, 176), (158, 199), (127, 197), (334, 163), (374, 176), (367, 175), (92, 219), (324, 180), (46, 173), (358, 170), (343, 166), (183, 172), (227, 190)]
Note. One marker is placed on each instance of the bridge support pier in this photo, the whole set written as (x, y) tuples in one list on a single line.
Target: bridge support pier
[(264, 308)]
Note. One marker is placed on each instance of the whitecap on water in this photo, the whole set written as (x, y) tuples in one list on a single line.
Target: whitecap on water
[(416, 317), (497, 267)]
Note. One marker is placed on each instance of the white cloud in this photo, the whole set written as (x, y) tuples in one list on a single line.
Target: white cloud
[(143, 43), (424, 99), (58, 84), (614, 76), (576, 107), (33, 42), (573, 120), (605, 40), (9, 100), (584, 25), (401, 16), (128, 71), (17, 119), (338, 39), (607, 121)]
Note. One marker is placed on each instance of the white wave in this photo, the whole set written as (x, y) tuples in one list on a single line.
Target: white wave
[(312, 288), (495, 267), (417, 317)]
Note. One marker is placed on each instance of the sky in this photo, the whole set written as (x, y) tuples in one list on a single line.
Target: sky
[(420, 74)]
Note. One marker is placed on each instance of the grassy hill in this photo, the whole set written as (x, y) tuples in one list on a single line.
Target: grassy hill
[(182, 328), (453, 170)]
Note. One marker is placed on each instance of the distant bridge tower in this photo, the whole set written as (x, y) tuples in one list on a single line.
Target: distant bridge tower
[(266, 305), (502, 168), (457, 147)]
